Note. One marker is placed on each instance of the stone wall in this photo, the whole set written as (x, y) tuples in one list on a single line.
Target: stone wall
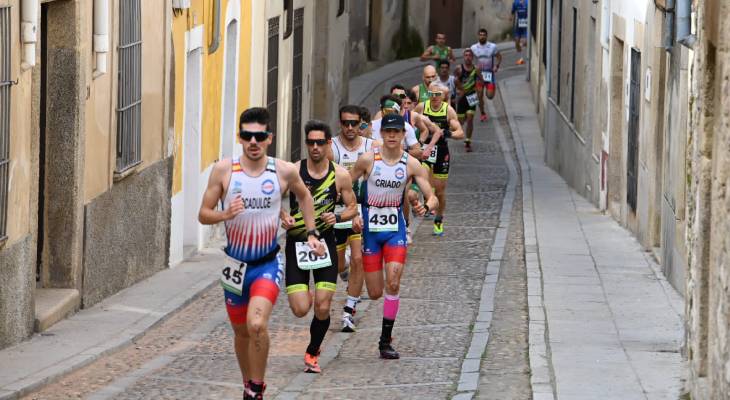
[(17, 274), (492, 15)]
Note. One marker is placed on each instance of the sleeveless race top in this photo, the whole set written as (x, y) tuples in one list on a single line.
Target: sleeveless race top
[(347, 158), (324, 193), (422, 93), (439, 117), (386, 184), (468, 79), (252, 234)]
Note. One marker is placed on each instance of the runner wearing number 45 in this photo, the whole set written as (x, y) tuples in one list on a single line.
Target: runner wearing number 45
[(519, 20), (325, 180), (251, 189), (386, 171), (488, 60)]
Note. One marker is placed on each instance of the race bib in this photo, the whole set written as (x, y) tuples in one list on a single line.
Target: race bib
[(487, 76), (232, 275), (383, 219), (434, 152), (307, 259), (472, 99), (347, 165), (339, 209), (522, 22)]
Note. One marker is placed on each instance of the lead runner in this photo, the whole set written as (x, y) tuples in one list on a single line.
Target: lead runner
[(387, 169), (250, 189)]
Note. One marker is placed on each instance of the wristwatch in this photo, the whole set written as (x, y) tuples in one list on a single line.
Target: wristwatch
[(313, 232), (338, 218), (427, 208)]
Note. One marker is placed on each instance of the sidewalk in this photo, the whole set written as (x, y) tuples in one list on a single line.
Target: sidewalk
[(604, 322)]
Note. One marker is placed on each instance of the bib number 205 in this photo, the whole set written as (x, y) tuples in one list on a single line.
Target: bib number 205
[(307, 259), (383, 219)]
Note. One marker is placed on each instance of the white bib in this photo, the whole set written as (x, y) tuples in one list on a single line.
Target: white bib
[(307, 259), (472, 99), (487, 76), (522, 22), (339, 209), (432, 157), (383, 219), (232, 275)]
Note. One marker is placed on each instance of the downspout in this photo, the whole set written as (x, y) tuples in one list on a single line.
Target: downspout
[(669, 26), (28, 31), (216, 27), (101, 36), (548, 37), (684, 23), (529, 41)]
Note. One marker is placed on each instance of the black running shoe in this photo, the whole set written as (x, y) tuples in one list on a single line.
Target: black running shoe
[(388, 352)]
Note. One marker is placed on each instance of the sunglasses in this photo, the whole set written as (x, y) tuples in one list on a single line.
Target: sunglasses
[(259, 135), (401, 95), (364, 125), (435, 94), (318, 142), (349, 122)]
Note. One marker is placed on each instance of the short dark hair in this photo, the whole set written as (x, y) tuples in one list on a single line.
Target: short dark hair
[(413, 97), (397, 86), (444, 62), (317, 125), (258, 115), (387, 97), (365, 115), (468, 50), (350, 109), (483, 30)]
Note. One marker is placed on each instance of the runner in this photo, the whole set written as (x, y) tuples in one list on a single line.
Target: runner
[(326, 181), (443, 115), (466, 78), (366, 119), (399, 102), (519, 20), (446, 79), (486, 53), (387, 169), (250, 190), (438, 51), (346, 148), (421, 90)]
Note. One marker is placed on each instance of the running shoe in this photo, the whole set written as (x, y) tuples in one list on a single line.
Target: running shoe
[(311, 363), (483, 117), (388, 352), (345, 275), (520, 61), (438, 228), (348, 324), (467, 147), (249, 394)]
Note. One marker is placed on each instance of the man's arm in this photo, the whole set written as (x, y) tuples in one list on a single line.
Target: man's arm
[(427, 54), (361, 166), (499, 61), (451, 57), (425, 125), (208, 215), (290, 174), (420, 177), (454, 126), (344, 187)]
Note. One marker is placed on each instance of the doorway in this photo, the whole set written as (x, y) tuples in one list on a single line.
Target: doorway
[(191, 151), (632, 159), (445, 17), (615, 146), (296, 103)]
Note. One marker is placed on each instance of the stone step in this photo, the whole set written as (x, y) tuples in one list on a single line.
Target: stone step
[(53, 305)]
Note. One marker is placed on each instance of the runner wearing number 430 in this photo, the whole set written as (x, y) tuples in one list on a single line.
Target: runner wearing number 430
[(325, 180), (387, 170), (488, 60), (251, 189)]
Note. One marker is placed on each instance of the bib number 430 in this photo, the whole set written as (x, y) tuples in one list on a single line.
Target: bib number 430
[(383, 219)]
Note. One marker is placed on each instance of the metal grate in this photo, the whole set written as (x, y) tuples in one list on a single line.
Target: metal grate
[(272, 80), (129, 97), (5, 85)]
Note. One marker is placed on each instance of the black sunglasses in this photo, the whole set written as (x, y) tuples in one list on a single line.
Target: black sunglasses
[(402, 95), (259, 135), (350, 122), (318, 142)]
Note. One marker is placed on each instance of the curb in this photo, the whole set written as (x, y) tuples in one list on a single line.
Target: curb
[(541, 375)]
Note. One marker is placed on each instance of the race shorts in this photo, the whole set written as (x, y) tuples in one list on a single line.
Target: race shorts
[(520, 33), (344, 236), (463, 107), (297, 279), (379, 247), (440, 168), (263, 280)]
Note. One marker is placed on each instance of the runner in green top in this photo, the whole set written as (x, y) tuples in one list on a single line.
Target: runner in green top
[(438, 51), (467, 97), (421, 90)]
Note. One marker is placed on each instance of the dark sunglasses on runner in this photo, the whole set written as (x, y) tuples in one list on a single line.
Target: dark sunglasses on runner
[(350, 122), (259, 135), (318, 142), (363, 126), (401, 95)]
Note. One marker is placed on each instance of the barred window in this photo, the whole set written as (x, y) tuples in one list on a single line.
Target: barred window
[(5, 85), (129, 97)]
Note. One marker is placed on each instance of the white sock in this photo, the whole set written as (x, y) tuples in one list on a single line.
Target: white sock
[(352, 301)]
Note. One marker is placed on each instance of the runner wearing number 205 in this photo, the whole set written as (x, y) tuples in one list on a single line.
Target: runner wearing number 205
[(387, 170), (250, 189), (325, 181)]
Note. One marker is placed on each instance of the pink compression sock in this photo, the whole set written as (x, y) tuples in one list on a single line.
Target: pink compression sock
[(390, 306)]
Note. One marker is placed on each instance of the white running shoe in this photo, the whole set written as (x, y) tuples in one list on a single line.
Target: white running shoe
[(348, 325)]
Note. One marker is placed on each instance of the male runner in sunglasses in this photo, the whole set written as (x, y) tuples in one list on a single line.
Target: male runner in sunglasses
[(438, 110), (326, 182), (250, 189), (421, 90), (386, 171)]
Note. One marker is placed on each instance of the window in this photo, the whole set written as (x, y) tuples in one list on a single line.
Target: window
[(5, 85), (272, 80), (533, 18), (129, 96), (341, 8)]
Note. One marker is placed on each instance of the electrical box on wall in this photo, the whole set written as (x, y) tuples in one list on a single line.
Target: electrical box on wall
[(180, 3)]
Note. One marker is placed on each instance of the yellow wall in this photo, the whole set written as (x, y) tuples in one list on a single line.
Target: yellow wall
[(201, 12)]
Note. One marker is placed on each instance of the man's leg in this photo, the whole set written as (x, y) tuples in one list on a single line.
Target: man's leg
[(490, 90), (372, 264), (240, 344), (354, 283), (263, 292), (469, 124), (480, 93), (391, 304), (439, 185)]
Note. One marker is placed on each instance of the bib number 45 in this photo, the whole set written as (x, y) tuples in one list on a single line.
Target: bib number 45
[(232, 275)]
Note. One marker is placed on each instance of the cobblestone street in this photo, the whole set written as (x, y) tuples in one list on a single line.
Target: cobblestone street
[(190, 355)]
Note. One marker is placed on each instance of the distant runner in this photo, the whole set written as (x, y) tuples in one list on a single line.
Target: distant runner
[(519, 20), (439, 51), (486, 54)]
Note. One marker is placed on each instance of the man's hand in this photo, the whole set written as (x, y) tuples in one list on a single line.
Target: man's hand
[(315, 245), (235, 208), (329, 218), (357, 224), (287, 222), (427, 152), (419, 208)]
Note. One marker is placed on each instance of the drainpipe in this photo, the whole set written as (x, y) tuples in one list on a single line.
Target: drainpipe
[(669, 26), (684, 23), (101, 36), (216, 27), (549, 55), (28, 31)]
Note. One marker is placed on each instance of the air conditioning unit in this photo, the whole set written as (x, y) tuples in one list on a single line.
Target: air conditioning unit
[(180, 3)]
